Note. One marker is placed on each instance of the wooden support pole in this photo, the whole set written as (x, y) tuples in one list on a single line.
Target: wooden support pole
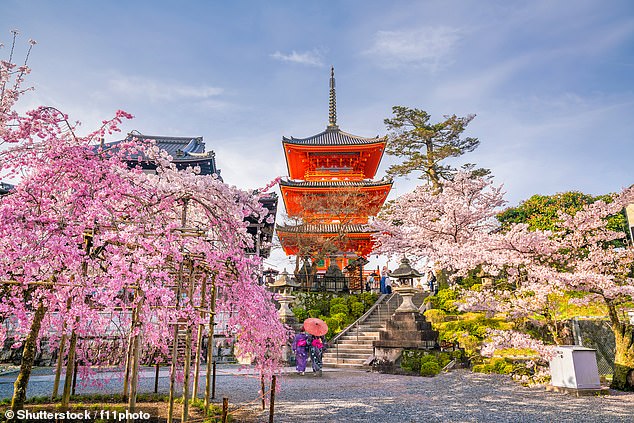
[(156, 378), (263, 392), (128, 358), (70, 368), (225, 409), (58, 367), (188, 350), (272, 404), (75, 367), (136, 353), (60, 355), (210, 348), (213, 384), (170, 407), (199, 337), (72, 347)]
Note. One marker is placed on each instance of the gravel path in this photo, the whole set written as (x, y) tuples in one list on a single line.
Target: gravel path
[(357, 396), (459, 396)]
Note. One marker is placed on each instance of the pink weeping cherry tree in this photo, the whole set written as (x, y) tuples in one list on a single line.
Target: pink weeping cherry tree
[(82, 230)]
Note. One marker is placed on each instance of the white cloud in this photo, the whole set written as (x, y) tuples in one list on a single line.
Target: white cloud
[(157, 90), (428, 47), (308, 58)]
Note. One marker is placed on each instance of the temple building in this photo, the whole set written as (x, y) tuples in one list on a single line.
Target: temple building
[(190, 152), (185, 151), (330, 193)]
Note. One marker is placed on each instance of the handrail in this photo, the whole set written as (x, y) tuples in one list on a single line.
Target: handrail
[(365, 316)]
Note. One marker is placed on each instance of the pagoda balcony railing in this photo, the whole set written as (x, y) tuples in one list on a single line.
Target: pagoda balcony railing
[(323, 283), (311, 175)]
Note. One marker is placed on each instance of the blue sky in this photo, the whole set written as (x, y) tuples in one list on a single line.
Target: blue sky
[(551, 82)]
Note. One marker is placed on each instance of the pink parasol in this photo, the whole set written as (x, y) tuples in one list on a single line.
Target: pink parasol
[(315, 326)]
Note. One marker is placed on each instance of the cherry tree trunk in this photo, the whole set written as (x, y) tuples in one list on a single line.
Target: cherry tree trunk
[(624, 358), (28, 357)]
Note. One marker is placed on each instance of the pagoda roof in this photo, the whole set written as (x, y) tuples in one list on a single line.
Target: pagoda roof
[(325, 228), (335, 183), (333, 136)]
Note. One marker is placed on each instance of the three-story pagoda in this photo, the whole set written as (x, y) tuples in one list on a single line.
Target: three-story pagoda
[(331, 192)]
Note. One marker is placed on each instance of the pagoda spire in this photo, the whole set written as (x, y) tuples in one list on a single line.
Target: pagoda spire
[(332, 104)]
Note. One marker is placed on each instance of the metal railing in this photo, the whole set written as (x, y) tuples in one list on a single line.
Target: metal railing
[(384, 299)]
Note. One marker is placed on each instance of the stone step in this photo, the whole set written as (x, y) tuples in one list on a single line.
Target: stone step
[(354, 361), (341, 355), (343, 365), (358, 350), (350, 346), (353, 334), (361, 336)]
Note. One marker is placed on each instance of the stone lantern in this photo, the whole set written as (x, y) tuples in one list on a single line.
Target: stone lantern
[(407, 328), (405, 275), (283, 286)]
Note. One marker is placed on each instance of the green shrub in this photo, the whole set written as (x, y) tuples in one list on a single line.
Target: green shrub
[(444, 359), (429, 368), (435, 316), (444, 300), (314, 312), (337, 308), (338, 300), (301, 313), (495, 365), (357, 309), (410, 360)]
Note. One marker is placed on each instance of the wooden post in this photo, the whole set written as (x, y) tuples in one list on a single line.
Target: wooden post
[(213, 385), (70, 368), (128, 358), (272, 405), (225, 409), (156, 378), (210, 347), (60, 361), (74, 377), (134, 369), (188, 348), (72, 347), (199, 337), (60, 356), (170, 407)]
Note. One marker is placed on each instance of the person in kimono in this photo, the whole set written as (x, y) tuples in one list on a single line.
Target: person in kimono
[(300, 349), (316, 344)]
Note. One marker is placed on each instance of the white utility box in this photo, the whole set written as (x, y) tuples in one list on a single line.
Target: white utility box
[(575, 367)]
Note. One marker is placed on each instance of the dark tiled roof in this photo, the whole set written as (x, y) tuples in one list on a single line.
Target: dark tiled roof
[(185, 151), (331, 184), (330, 228), (332, 136), (5, 188), (266, 229)]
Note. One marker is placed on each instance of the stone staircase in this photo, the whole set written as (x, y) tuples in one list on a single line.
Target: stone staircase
[(353, 346)]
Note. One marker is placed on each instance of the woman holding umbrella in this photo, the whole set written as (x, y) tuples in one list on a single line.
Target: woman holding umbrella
[(317, 328)]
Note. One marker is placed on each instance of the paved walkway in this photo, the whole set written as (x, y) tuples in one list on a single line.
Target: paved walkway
[(357, 396)]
